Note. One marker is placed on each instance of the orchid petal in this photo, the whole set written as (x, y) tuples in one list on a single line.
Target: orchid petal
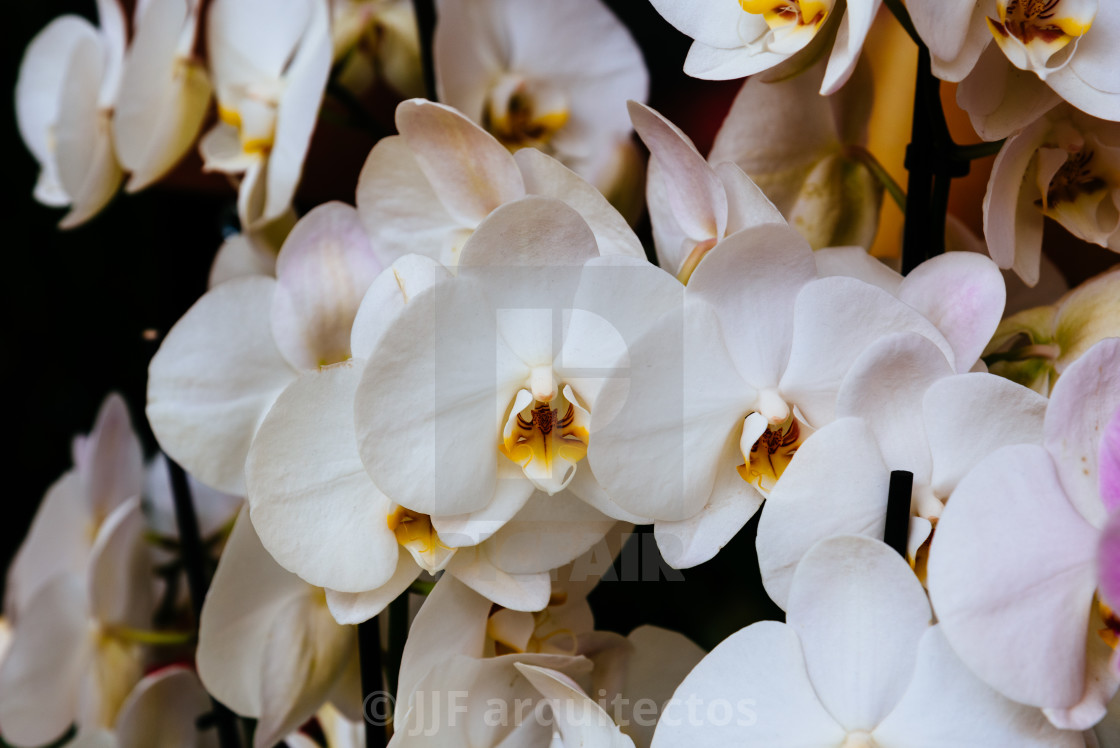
[(120, 569), (531, 232), (856, 262), (715, 24), (472, 567), (579, 720), (1102, 678), (1012, 222), (1109, 464), (240, 256), (854, 27), (548, 532), (110, 461), (358, 607), (944, 27), (1000, 98), (747, 206), (211, 383), (163, 710)]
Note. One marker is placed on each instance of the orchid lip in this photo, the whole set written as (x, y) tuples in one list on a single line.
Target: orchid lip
[(1033, 33), (546, 433), (415, 533)]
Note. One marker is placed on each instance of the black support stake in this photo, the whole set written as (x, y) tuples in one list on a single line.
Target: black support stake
[(898, 510)]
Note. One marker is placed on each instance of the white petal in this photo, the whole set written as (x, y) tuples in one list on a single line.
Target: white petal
[(388, 295), (946, 706), (429, 434), (313, 504), (401, 210), (1000, 98), (121, 579), (511, 493), (48, 656), (550, 531), (836, 485), (298, 108), (854, 27), (660, 660), (238, 257), (470, 51), (470, 171), (533, 232), (716, 63), (579, 719), (110, 461), (747, 206), (322, 272), (751, 690), (211, 383), (1102, 677), (860, 613), (547, 177), (163, 709), (856, 262), (1012, 574), (885, 387), (472, 567), (835, 319), (1081, 405), (357, 607), (963, 294), (752, 280), (944, 24), (714, 23), (998, 412)]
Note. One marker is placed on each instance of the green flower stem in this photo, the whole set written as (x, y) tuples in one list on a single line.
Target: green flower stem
[(867, 158), (153, 638)]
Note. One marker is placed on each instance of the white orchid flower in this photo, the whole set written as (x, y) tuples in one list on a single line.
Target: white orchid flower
[(377, 39), (67, 86), (801, 150), (738, 38), (1070, 45), (268, 646), (164, 91), (162, 710), (542, 75), (212, 382), (426, 190), (857, 664), (1065, 166), (693, 205), (1013, 571), (108, 471), (269, 63), (75, 655), (1036, 345), (729, 385), (900, 407)]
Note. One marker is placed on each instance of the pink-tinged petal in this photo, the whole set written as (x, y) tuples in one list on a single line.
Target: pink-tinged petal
[(121, 576), (163, 97), (1102, 678), (885, 387), (747, 206), (752, 279), (715, 23), (1000, 98), (401, 210), (854, 27), (1011, 575), (692, 541), (1109, 464), (248, 592), (946, 706), (860, 613), (428, 434), (963, 294), (836, 485), (41, 674), (672, 418), (452, 621), (695, 194), (110, 460), (997, 412), (1012, 222), (835, 320), (1082, 405), (547, 177), (322, 272), (313, 504), (760, 674), (470, 51), (1108, 562), (548, 532), (528, 592), (388, 295), (357, 607), (58, 542), (530, 232), (211, 383), (298, 109), (163, 710), (471, 172)]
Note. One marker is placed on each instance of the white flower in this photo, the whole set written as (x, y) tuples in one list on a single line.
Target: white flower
[(377, 39), (1014, 565), (164, 91), (268, 646), (68, 82), (269, 64), (542, 75), (427, 189), (857, 664), (1070, 45), (108, 471), (73, 657), (1065, 166), (738, 38)]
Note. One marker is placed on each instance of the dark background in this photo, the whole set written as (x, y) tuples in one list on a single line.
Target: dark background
[(76, 305)]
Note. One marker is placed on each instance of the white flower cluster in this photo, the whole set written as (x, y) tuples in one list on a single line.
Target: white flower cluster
[(464, 390)]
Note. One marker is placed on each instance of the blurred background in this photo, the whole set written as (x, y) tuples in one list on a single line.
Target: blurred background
[(84, 310)]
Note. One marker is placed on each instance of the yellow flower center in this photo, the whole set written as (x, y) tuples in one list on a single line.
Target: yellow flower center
[(523, 114), (546, 433), (771, 454), (781, 13), (414, 533), (1032, 32)]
